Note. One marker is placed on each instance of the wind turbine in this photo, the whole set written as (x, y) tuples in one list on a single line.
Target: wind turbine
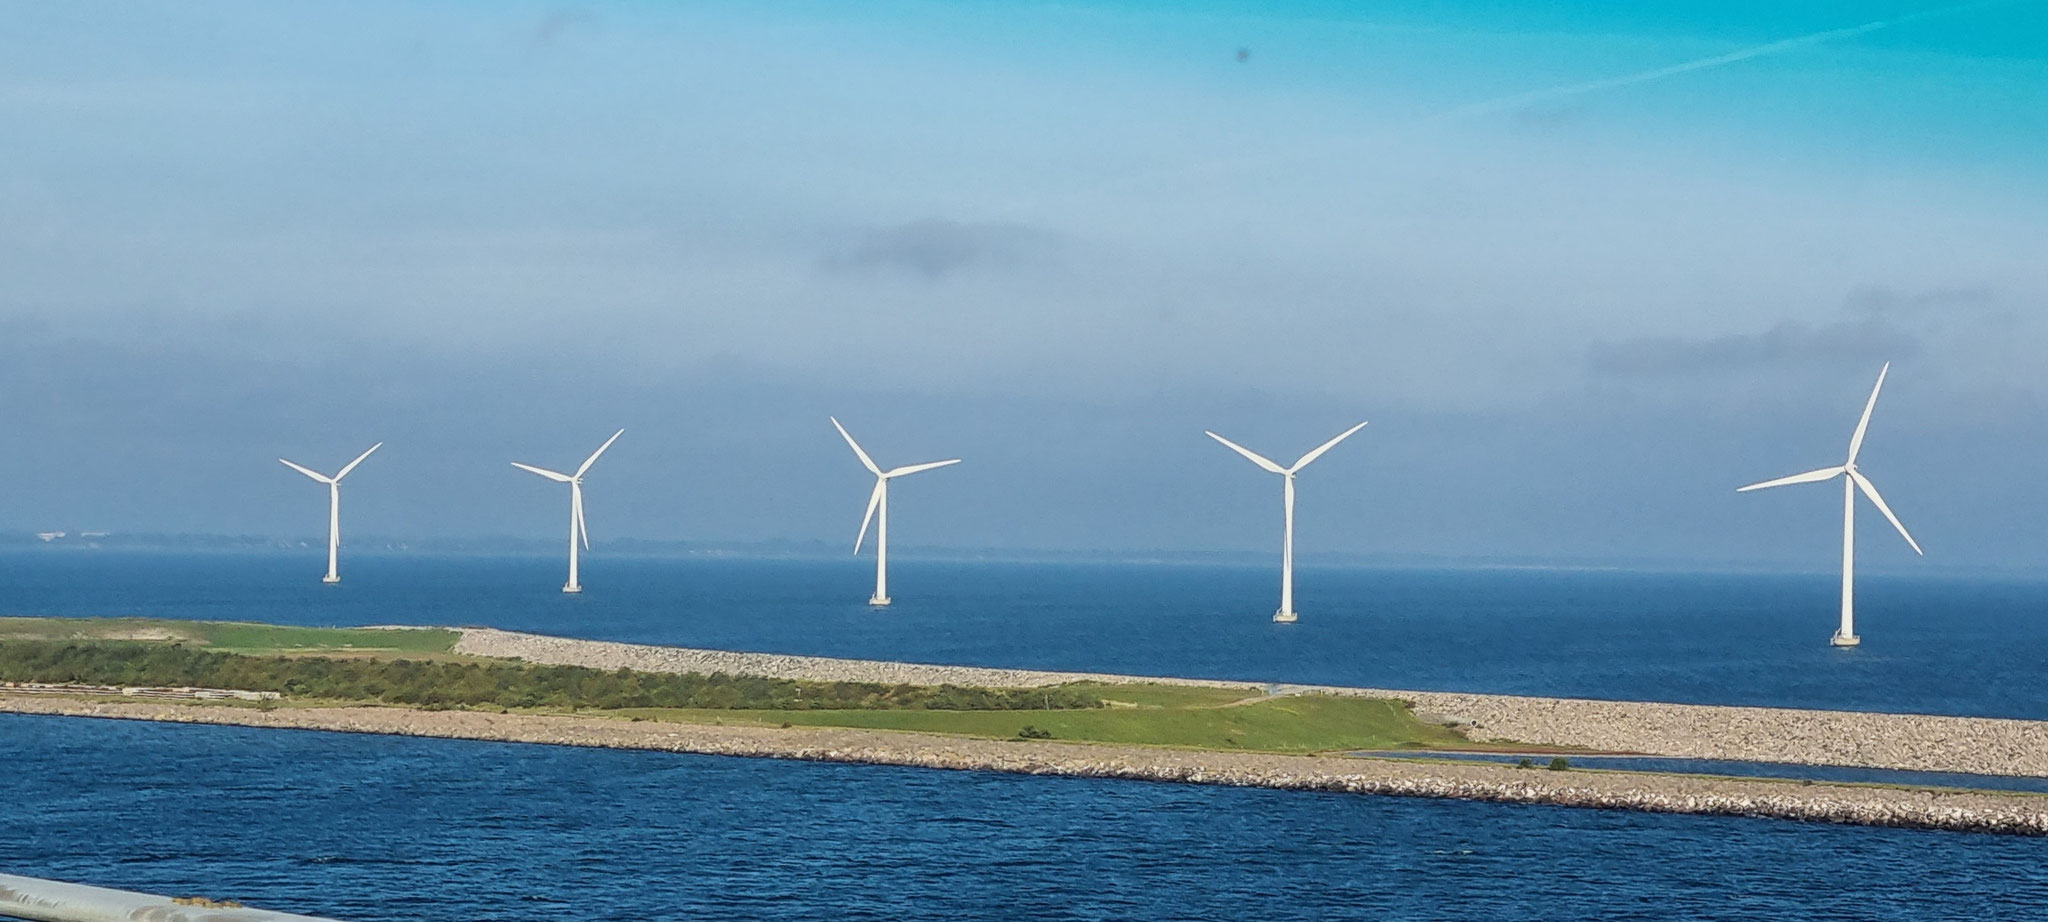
[(333, 509), (1286, 612), (879, 501), (1846, 636), (577, 530)]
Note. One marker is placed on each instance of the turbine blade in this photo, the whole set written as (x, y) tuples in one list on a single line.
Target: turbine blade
[(1856, 441), (544, 472), (1870, 490), (1240, 449), (914, 468), (1808, 477), (874, 499), (359, 459), (864, 459), (582, 524), (587, 462), (323, 478), (1326, 446)]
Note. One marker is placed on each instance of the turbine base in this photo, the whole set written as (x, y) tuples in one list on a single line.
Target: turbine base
[(330, 578), (1285, 617), (572, 589), (1845, 640), (879, 601)]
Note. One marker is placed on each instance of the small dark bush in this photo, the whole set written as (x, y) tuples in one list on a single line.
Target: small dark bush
[(1560, 764), (1033, 733), (1526, 763)]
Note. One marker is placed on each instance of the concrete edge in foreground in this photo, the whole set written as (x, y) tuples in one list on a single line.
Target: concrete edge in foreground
[(42, 900)]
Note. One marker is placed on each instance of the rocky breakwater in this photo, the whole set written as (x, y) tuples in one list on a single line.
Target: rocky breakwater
[(1947, 810), (1909, 742), (609, 655)]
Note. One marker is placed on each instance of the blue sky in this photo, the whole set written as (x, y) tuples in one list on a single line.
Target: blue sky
[(1057, 239)]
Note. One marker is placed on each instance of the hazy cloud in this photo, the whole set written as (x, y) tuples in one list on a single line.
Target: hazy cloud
[(559, 22), (1784, 344), (300, 232), (1879, 301), (935, 248)]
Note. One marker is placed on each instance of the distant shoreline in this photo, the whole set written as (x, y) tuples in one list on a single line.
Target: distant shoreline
[(832, 553), (1961, 811)]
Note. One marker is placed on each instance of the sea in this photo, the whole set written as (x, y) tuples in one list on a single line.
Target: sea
[(363, 828)]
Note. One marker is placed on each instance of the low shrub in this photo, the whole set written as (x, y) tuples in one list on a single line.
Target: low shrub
[(500, 684)]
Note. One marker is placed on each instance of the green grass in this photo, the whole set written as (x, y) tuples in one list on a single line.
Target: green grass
[(242, 637), (1167, 696), (1299, 723), (238, 636)]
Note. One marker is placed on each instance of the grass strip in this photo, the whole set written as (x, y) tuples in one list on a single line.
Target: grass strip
[(1293, 724), (238, 636)]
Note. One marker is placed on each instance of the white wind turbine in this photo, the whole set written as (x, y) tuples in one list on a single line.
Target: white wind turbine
[(878, 501), (333, 509), (577, 530), (1846, 636), (1286, 612)]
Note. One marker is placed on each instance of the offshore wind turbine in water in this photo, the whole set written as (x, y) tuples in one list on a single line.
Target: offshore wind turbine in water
[(333, 509), (578, 531), (1286, 613), (1852, 480), (878, 510)]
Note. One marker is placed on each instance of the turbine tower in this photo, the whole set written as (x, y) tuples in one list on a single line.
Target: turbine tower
[(333, 509), (878, 511), (1846, 635), (577, 530), (1286, 612)]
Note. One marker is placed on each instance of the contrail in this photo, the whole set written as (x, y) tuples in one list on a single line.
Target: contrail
[(1518, 100), (1529, 97)]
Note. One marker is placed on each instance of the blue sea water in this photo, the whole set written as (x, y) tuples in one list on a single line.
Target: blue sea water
[(1945, 646), (390, 828), (365, 828)]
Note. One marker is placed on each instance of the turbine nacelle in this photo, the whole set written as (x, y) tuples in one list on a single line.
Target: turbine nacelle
[(882, 479), (1848, 468), (579, 529), (336, 479), (1289, 472), (555, 476)]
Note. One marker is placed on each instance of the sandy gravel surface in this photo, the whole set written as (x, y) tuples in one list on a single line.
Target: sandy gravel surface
[(604, 654), (1962, 811)]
